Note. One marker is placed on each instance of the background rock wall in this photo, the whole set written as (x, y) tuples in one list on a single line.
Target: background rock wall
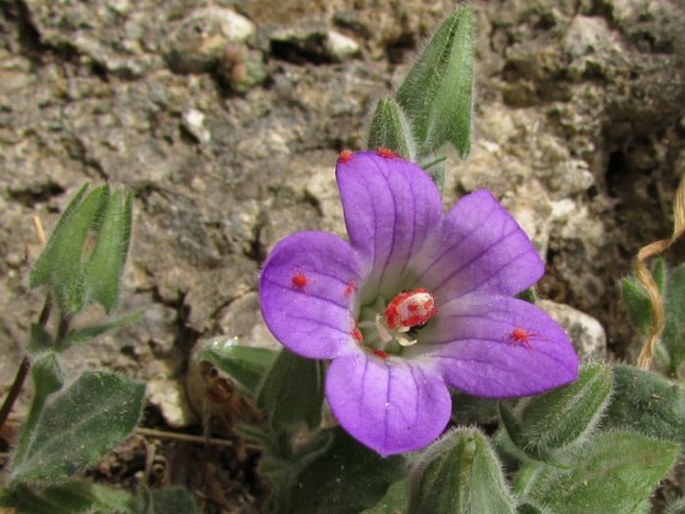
[(225, 119)]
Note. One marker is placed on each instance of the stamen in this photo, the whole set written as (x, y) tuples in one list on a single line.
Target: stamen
[(410, 309)]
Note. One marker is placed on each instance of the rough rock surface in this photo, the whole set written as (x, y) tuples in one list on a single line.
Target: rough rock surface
[(225, 122)]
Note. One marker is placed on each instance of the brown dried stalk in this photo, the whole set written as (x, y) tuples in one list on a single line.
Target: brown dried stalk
[(645, 278)]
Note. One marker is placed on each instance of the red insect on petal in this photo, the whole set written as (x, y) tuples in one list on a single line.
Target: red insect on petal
[(357, 335), (350, 289), (385, 153), (299, 280), (520, 336), (380, 353), (345, 156)]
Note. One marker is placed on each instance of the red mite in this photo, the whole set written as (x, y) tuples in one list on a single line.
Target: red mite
[(345, 156), (385, 153), (521, 337), (299, 280)]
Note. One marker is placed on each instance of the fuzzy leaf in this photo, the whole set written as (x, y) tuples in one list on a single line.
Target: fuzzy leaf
[(543, 425), (345, 479), (646, 402), (459, 474), (61, 266), (677, 507), (390, 129), (105, 265), (674, 333), (164, 501), (437, 95), (394, 501), (47, 378), (78, 425), (615, 472), (246, 365), (73, 497), (636, 300), (91, 332), (292, 391), (40, 340)]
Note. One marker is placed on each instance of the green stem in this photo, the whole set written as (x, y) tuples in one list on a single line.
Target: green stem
[(23, 370)]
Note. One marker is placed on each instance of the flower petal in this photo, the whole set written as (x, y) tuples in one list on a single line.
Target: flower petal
[(306, 289), (391, 206), (498, 348), (391, 406), (481, 249)]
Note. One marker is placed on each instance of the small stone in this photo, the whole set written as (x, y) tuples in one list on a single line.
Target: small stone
[(586, 332), (193, 122), (169, 397), (341, 47), (198, 43)]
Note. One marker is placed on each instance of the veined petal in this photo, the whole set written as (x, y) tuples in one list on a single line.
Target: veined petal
[(392, 406), (306, 289), (391, 207), (481, 249), (498, 348)]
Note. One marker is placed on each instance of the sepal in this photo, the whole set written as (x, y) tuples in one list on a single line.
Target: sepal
[(459, 474)]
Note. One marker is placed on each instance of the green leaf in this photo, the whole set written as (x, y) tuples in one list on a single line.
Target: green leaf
[(174, 500), (636, 300), (292, 392), (73, 497), (47, 378), (78, 425), (615, 472), (467, 409), (677, 507), (459, 474), (246, 365), (88, 333), (437, 95), (646, 402), (105, 265), (394, 501), (390, 129), (40, 340), (61, 264), (345, 479), (543, 425), (673, 336)]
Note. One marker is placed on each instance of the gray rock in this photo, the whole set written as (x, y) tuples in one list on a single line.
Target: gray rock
[(586, 332), (198, 42)]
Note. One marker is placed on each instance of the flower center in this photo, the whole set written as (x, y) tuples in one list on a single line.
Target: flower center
[(393, 328)]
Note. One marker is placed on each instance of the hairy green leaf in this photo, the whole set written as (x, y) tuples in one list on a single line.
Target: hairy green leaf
[(74, 497), (615, 472), (78, 425), (80, 335), (390, 129), (345, 479), (646, 402), (437, 95), (105, 264), (246, 365), (292, 392), (61, 264), (542, 425), (47, 378), (459, 474)]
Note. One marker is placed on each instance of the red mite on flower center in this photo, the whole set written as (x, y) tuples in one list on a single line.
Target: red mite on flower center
[(410, 309)]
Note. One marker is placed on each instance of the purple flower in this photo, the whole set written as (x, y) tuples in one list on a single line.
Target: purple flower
[(417, 301)]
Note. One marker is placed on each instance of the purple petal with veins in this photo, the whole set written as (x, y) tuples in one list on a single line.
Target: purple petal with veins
[(367, 305)]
